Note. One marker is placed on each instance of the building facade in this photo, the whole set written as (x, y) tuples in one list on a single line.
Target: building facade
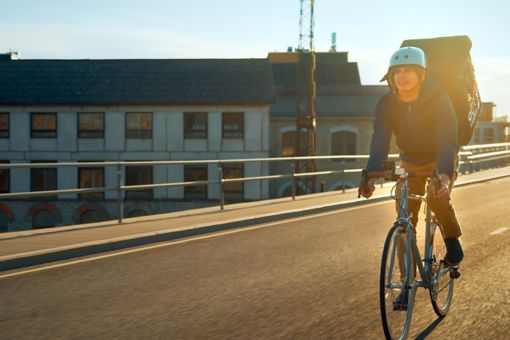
[(158, 110), (490, 129), (129, 110), (345, 115)]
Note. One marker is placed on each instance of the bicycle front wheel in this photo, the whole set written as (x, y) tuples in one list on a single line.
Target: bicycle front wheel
[(441, 292), (396, 300)]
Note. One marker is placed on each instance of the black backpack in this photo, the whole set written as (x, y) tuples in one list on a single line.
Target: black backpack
[(449, 61)]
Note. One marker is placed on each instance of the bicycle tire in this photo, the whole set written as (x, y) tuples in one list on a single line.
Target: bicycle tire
[(396, 322), (441, 291)]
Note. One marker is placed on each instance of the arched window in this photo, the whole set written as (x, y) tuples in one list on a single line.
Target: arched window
[(289, 142), (43, 219), (343, 143), (4, 222)]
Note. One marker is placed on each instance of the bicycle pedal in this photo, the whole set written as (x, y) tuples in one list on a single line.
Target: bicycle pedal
[(454, 273)]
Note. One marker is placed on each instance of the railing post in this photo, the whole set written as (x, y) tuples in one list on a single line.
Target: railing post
[(293, 166), (343, 176), (119, 192), (220, 179), (508, 158)]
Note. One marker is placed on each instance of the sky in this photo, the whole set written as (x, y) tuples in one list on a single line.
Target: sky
[(369, 30)]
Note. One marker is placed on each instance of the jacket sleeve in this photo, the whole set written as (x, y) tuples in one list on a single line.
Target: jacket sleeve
[(380, 145), (446, 135)]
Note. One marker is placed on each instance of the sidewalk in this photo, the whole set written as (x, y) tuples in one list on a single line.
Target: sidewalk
[(26, 248)]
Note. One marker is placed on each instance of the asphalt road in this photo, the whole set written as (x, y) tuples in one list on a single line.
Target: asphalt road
[(307, 278)]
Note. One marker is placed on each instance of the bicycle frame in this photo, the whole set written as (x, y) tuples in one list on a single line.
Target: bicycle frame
[(412, 246)]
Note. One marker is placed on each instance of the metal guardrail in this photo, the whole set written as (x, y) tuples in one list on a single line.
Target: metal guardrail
[(493, 152)]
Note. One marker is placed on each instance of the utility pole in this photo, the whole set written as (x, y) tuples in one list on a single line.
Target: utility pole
[(306, 101)]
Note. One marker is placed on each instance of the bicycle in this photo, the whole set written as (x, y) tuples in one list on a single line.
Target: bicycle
[(401, 256)]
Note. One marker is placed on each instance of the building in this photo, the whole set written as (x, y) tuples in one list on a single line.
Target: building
[(130, 110), (135, 110), (490, 129), (345, 114)]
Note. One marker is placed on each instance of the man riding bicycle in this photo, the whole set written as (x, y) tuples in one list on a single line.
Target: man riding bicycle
[(422, 117)]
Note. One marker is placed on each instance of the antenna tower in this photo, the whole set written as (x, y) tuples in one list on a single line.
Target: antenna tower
[(306, 101)]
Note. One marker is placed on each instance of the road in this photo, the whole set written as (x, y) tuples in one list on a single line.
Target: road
[(307, 278)]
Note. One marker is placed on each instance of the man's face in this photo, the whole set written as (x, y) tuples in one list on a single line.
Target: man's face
[(406, 79)]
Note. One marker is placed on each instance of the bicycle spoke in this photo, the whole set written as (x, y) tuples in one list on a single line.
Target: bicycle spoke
[(396, 300), (441, 292)]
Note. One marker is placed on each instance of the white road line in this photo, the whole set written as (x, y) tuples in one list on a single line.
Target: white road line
[(170, 243), (500, 231)]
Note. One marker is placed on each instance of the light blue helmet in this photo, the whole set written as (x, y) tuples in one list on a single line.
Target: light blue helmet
[(408, 56)]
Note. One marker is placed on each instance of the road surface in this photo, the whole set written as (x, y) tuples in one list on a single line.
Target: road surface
[(307, 278)]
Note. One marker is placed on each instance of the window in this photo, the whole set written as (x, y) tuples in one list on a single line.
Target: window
[(343, 143), (233, 124), (139, 175), (91, 178), (90, 125), (488, 135), (44, 125), (43, 179), (4, 125), (139, 125), (194, 173), (5, 180), (288, 141), (195, 125), (477, 136), (234, 191), (43, 219)]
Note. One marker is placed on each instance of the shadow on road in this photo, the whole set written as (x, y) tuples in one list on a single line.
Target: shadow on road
[(426, 332)]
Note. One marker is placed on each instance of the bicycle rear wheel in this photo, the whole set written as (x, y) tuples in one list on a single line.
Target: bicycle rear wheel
[(441, 292), (396, 320)]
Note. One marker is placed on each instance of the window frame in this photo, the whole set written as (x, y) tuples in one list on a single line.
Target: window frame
[(488, 135), (52, 133), (477, 135), (234, 195), (6, 133), (7, 174), (195, 133), (286, 150), (54, 172), (92, 195), (195, 191), (240, 131), (345, 146), (95, 133), (142, 194), (139, 133)]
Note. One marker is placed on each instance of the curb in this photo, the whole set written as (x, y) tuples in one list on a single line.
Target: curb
[(90, 248)]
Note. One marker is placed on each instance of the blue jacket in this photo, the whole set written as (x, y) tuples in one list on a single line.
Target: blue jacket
[(426, 129)]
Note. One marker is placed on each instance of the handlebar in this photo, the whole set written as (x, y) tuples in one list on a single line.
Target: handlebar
[(393, 175)]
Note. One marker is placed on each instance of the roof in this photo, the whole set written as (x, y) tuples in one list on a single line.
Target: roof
[(136, 81), (341, 101), (339, 89), (332, 68)]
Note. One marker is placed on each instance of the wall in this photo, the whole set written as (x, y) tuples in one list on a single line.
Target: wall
[(167, 143)]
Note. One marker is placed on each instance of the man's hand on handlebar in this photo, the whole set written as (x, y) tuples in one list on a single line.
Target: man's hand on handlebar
[(366, 185), (368, 189)]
